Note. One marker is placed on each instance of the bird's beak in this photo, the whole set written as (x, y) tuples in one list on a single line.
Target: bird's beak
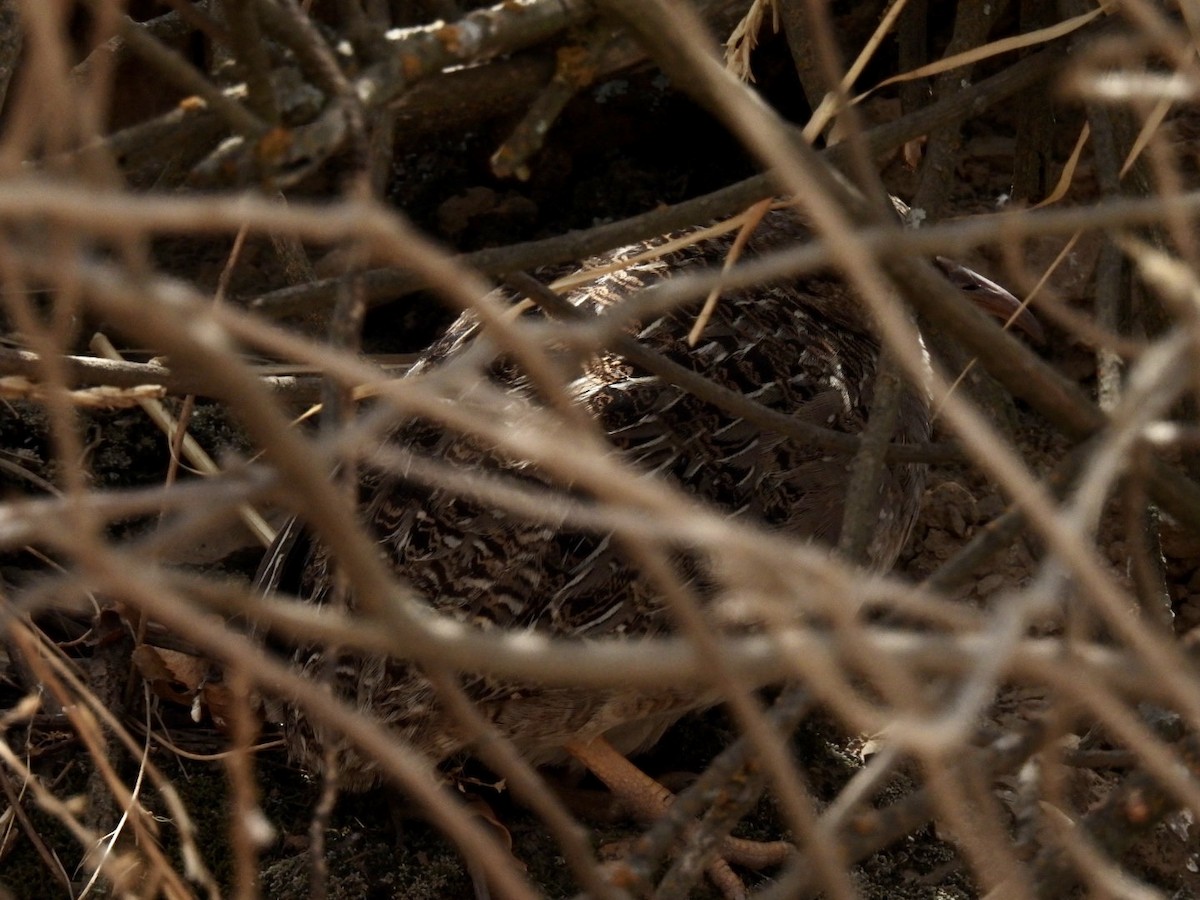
[(993, 299)]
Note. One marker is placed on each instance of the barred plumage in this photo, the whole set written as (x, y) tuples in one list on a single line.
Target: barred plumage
[(803, 348)]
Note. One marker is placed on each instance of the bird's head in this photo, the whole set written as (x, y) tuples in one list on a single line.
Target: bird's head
[(992, 299)]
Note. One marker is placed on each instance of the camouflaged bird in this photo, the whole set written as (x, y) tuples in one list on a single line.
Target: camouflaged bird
[(803, 348)]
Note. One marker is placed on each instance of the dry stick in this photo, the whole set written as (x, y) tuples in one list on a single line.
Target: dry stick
[(1140, 522), (49, 339), (29, 521), (105, 212), (64, 437), (912, 44), (254, 63), (176, 432), (763, 135), (1130, 811), (732, 767), (412, 54), (87, 728), (182, 21), (43, 86), (863, 497), (504, 28), (173, 27), (871, 830), (343, 120), (14, 387), (785, 714), (736, 692), (190, 80), (1164, 171), (750, 220), (1034, 126), (1029, 378), (386, 285), (25, 127), (49, 860), (500, 755), (577, 65), (50, 803), (298, 33), (345, 332), (449, 92), (1176, 504), (404, 766), (686, 58), (329, 512), (1112, 282), (861, 167), (109, 843), (155, 149), (1113, 287), (1076, 423), (297, 268), (194, 867), (890, 678), (973, 22), (318, 826), (95, 371), (249, 830), (413, 647), (650, 662), (722, 397), (863, 494)]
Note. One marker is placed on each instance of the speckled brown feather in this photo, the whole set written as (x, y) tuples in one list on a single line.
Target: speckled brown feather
[(803, 349)]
